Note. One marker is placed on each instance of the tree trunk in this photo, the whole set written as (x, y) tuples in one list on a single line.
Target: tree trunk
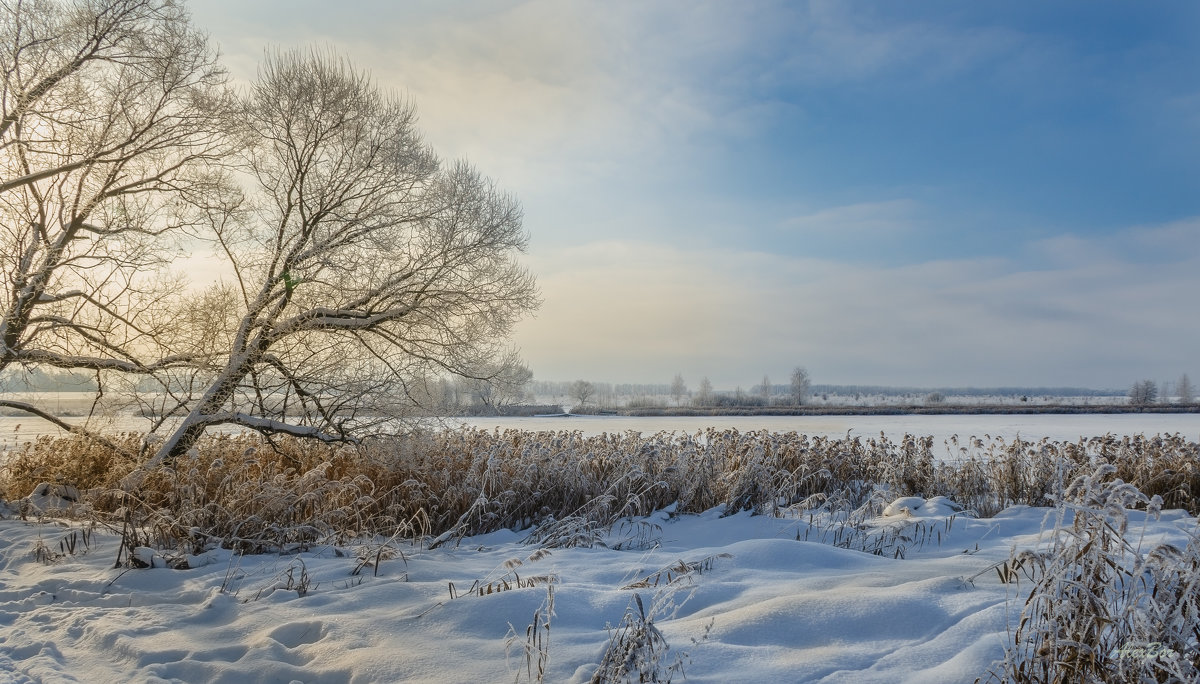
[(196, 422)]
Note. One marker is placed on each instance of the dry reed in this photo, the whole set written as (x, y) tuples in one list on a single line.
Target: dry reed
[(242, 492)]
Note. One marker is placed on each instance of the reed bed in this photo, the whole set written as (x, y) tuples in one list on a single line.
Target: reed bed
[(1103, 605), (241, 491)]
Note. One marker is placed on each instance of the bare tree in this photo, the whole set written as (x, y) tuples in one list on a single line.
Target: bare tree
[(362, 266), (678, 388), (704, 396), (764, 391), (1183, 388), (503, 384), (800, 385), (581, 391), (112, 130), (1143, 393)]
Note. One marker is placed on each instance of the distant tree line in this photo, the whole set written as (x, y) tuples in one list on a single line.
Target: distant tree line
[(1146, 392), (585, 393), (46, 380), (799, 391), (1011, 392)]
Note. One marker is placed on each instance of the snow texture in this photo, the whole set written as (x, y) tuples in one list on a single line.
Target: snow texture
[(759, 604)]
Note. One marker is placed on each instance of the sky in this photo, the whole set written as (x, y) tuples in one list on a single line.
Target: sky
[(916, 194)]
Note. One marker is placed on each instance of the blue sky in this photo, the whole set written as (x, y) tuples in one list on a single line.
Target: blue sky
[(917, 193)]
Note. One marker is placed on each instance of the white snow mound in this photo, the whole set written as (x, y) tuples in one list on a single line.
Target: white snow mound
[(916, 506), (47, 496)]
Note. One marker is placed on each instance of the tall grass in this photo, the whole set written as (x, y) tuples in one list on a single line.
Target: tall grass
[(1103, 605), (242, 492)]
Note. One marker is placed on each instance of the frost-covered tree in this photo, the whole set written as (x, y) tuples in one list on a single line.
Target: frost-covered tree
[(501, 384), (1143, 393), (581, 391), (362, 263), (1184, 390), (113, 121), (764, 390), (800, 385), (678, 388), (704, 395)]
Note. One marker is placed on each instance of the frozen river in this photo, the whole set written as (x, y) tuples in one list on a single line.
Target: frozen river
[(1031, 427), (1065, 427)]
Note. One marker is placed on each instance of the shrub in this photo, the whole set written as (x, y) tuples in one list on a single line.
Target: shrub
[(1102, 608)]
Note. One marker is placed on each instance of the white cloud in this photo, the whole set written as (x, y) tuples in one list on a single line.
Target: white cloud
[(863, 220), (1168, 243), (642, 311)]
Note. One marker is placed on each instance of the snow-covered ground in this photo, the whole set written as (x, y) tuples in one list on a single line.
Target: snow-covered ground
[(737, 598)]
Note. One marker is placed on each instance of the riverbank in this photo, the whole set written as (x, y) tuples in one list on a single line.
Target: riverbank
[(900, 410)]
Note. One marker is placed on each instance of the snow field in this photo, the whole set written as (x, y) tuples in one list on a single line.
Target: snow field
[(784, 609), (767, 608), (754, 556)]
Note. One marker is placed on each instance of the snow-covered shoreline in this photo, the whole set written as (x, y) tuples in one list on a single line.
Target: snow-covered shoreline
[(415, 560), (764, 607)]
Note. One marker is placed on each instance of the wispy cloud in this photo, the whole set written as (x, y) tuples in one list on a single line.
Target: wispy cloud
[(867, 220), (640, 310)]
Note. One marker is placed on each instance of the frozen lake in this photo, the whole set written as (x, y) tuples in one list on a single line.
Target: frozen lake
[(1068, 427), (1065, 427)]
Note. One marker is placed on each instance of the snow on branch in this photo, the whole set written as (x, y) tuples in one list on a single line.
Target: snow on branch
[(271, 426)]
